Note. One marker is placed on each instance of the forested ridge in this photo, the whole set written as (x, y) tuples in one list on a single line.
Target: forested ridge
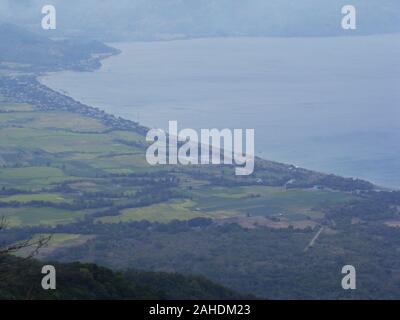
[(21, 280)]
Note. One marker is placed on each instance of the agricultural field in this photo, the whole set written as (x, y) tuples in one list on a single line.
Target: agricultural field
[(221, 203), (32, 216), (258, 200), (60, 168), (165, 212), (24, 198)]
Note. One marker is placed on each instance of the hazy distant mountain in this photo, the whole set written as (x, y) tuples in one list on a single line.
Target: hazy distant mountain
[(38, 52), (150, 19)]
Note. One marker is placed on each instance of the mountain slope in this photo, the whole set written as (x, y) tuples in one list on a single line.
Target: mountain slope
[(37, 52), (22, 280), (152, 19)]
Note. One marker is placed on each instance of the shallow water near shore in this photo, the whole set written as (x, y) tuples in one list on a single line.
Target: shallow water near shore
[(328, 104)]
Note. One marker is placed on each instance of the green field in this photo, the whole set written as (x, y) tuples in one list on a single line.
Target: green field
[(30, 173), (228, 202), (31, 216), (41, 151), (259, 200), (23, 198), (165, 212)]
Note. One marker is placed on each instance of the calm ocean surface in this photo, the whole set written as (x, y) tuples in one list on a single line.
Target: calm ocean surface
[(328, 104)]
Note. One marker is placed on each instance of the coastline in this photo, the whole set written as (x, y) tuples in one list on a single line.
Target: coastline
[(143, 128), (29, 89)]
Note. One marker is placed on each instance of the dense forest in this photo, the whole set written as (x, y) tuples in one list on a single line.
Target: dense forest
[(21, 280)]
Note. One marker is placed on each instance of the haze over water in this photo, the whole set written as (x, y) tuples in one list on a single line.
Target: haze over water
[(328, 104)]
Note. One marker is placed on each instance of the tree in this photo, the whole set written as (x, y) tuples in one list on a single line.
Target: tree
[(32, 247)]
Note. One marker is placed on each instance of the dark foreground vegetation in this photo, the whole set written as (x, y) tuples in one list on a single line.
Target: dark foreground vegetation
[(21, 280)]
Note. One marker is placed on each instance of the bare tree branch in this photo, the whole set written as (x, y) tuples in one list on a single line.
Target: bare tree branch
[(32, 246)]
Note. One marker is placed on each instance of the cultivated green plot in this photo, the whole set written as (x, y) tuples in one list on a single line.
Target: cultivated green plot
[(32, 178), (14, 107), (15, 118), (119, 163), (128, 136), (262, 200), (27, 173), (47, 197), (60, 141), (164, 212), (65, 121), (31, 216), (218, 203)]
